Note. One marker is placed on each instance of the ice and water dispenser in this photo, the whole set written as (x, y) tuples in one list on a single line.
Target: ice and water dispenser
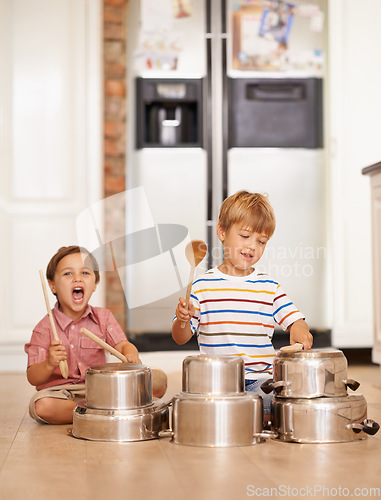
[(169, 113), (276, 113), (263, 113)]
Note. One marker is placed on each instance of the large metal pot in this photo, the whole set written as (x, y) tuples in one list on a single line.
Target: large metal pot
[(310, 374), (213, 375), (118, 386), (322, 420), (220, 421), (137, 424)]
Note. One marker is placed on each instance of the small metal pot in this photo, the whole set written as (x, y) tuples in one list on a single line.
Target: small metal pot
[(219, 421), (137, 424), (213, 375), (322, 420), (118, 386), (310, 374)]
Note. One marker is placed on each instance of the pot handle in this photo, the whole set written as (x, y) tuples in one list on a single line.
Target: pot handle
[(164, 405), (352, 384), (368, 426), (270, 385), (266, 435), (166, 433)]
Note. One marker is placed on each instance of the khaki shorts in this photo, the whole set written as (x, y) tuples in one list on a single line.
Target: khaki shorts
[(73, 392)]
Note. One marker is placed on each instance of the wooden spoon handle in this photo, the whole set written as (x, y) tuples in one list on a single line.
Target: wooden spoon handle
[(297, 347), (103, 344), (189, 288), (62, 364)]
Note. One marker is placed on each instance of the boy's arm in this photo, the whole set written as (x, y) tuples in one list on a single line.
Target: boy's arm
[(129, 350), (300, 332), (181, 335), (40, 373), (183, 315)]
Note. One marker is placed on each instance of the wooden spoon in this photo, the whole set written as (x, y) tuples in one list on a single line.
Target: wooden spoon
[(103, 344), (297, 347), (62, 364), (195, 252)]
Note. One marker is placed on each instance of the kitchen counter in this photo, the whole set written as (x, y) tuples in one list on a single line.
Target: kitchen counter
[(374, 171)]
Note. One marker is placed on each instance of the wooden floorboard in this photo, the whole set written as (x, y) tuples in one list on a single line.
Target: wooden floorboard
[(41, 461)]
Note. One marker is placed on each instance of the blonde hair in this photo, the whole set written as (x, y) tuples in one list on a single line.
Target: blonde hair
[(252, 210)]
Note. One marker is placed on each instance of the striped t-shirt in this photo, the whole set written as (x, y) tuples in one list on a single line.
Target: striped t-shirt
[(236, 315)]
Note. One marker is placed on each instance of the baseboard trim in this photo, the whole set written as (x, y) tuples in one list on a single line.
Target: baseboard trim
[(164, 342), (358, 356), (13, 358)]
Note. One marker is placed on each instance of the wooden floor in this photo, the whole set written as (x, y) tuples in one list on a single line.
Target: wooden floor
[(41, 461)]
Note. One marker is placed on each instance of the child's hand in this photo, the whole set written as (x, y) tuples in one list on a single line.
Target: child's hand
[(57, 353), (299, 332), (183, 312), (133, 358)]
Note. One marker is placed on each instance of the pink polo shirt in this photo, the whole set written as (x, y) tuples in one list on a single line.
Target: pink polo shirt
[(82, 352)]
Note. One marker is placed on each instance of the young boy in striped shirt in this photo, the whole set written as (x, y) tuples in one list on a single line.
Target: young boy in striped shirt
[(233, 307)]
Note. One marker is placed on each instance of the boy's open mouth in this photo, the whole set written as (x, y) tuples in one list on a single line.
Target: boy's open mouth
[(78, 294), (246, 255)]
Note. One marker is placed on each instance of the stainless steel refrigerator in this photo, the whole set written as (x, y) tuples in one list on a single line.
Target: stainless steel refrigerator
[(209, 119)]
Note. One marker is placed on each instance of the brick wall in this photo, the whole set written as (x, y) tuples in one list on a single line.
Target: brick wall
[(114, 62)]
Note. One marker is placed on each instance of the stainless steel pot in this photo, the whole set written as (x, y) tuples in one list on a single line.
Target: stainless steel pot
[(137, 424), (322, 420), (118, 386), (213, 375), (220, 421), (310, 374)]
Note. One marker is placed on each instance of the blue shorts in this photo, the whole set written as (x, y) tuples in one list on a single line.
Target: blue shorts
[(255, 386)]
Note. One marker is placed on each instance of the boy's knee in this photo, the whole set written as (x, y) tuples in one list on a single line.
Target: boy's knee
[(54, 410), (159, 382), (45, 408)]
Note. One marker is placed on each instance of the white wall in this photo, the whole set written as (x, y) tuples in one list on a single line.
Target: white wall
[(354, 141), (50, 154)]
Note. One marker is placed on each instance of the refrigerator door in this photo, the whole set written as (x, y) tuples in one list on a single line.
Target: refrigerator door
[(171, 171), (174, 185), (296, 254)]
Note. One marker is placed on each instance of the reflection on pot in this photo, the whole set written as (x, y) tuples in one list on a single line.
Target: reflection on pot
[(310, 374), (322, 420)]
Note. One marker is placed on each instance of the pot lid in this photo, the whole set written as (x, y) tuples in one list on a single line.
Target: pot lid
[(213, 360), (118, 368), (323, 400), (155, 406), (313, 353), (186, 396)]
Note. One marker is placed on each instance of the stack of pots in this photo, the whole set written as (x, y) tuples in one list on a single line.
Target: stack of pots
[(311, 403), (119, 405), (213, 408)]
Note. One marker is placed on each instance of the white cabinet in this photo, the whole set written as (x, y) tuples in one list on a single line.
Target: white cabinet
[(354, 108), (375, 179), (50, 132)]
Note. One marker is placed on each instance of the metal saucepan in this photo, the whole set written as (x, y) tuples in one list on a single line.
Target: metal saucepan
[(217, 421), (310, 374), (118, 386), (137, 424), (322, 420), (213, 375)]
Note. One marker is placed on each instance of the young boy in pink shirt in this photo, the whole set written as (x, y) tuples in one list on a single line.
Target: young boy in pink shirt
[(73, 276)]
